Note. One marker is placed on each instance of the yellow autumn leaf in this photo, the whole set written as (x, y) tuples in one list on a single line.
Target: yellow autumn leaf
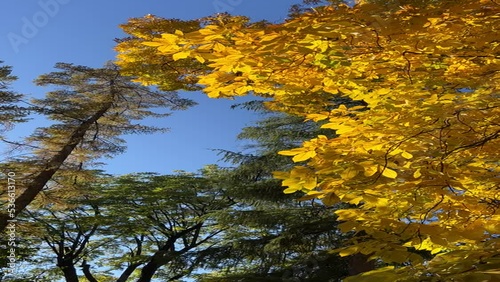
[(291, 152), (181, 55), (330, 199), (383, 91), (417, 173), (310, 183), (209, 29), (348, 251), (152, 43), (349, 173), (304, 156), (219, 47), (352, 200), (432, 21), (355, 108), (312, 194), (290, 190), (389, 173), (397, 256), (317, 117), (200, 59), (370, 170), (380, 274), (347, 226), (492, 227), (406, 155), (213, 37), (292, 182), (169, 37), (281, 174), (339, 128), (375, 200)]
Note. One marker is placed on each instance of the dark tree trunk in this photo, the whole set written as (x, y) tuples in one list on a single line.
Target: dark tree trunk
[(40, 180), (152, 266), (68, 268), (133, 266), (128, 271), (167, 253), (87, 273)]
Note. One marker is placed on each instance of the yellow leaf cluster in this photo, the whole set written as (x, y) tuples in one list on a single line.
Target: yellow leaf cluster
[(420, 161)]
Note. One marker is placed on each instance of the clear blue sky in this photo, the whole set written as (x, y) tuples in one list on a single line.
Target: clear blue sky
[(35, 34)]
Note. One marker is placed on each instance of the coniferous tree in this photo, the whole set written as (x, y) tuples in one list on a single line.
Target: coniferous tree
[(234, 221), (91, 108), (10, 111), (271, 241)]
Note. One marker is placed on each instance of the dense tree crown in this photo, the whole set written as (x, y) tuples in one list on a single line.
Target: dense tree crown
[(418, 161), (233, 223), (90, 108), (10, 111), (148, 28)]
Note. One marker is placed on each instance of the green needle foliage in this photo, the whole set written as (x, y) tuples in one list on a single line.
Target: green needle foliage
[(91, 109), (10, 111), (277, 238)]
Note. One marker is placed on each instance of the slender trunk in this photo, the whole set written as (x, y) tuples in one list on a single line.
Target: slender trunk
[(151, 267), (139, 240), (87, 273), (128, 271), (68, 268), (38, 182), (167, 253)]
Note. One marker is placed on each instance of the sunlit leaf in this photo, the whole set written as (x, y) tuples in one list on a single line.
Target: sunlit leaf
[(387, 172)]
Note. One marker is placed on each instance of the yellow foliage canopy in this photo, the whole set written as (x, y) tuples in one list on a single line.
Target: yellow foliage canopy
[(421, 160), (143, 60)]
